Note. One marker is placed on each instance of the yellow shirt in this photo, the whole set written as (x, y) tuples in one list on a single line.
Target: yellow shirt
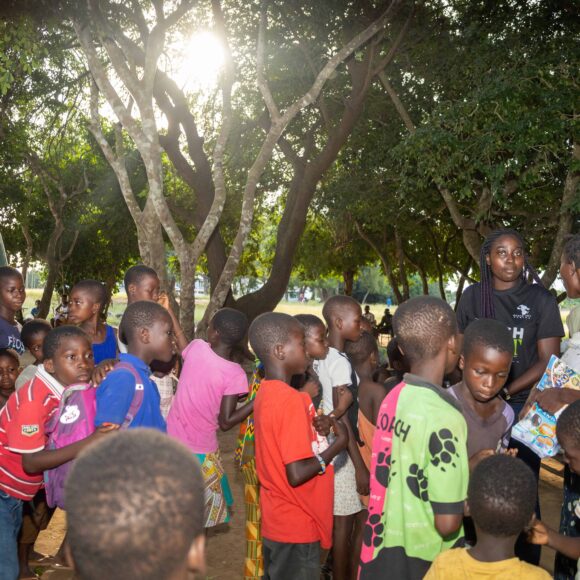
[(457, 564)]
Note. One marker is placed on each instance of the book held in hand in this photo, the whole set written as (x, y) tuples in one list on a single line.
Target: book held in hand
[(537, 430)]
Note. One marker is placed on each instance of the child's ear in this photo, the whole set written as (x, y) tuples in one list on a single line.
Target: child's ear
[(278, 351), (453, 343), (374, 359), (338, 323), (145, 335), (49, 365), (461, 362), (196, 556), (131, 289)]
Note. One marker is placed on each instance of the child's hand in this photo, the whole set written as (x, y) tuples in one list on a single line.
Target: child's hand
[(474, 460), (363, 481), (340, 431), (312, 387), (322, 424), (538, 533), (102, 370), (163, 300), (552, 400), (511, 452)]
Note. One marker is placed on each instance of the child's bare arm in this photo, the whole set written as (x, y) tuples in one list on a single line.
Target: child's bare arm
[(299, 472), (341, 400), (180, 338), (50, 458), (362, 475), (543, 535), (447, 524), (230, 415)]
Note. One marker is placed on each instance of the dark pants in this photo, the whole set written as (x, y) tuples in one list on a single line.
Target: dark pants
[(291, 561), (525, 551)]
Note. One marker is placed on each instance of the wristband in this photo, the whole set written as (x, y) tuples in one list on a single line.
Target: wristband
[(506, 394), (322, 464)]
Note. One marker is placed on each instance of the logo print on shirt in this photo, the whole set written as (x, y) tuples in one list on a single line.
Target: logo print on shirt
[(70, 415), (30, 430), (524, 312)]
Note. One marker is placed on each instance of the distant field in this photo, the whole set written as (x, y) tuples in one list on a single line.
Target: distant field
[(313, 307)]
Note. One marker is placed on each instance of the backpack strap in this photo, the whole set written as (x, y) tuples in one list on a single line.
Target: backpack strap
[(137, 397)]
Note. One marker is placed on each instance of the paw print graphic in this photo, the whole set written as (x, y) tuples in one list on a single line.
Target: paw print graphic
[(417, 482), (443, 449), (383, 469), (372, 534)]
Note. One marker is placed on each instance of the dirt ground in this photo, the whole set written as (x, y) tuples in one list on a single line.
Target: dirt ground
[(225, 553)]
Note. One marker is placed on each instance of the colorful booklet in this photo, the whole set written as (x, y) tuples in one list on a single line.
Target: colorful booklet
[(537, 430)]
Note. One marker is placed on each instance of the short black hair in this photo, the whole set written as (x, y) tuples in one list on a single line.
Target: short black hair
[(135, 274), (231, 324), (502, 495), (140, 314), (335, 305), (270, 329), (309, 321), (571, 251), (358, 351), (488, 333), (11, 354), (422, 326), (32, 328), (7, 272), (56, 336), (134, 504), (568, 425), (97, 290)]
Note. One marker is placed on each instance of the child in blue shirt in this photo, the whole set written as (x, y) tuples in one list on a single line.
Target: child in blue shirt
[(148, 330)]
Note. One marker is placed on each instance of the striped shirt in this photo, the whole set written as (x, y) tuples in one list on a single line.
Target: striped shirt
[(22, 430)]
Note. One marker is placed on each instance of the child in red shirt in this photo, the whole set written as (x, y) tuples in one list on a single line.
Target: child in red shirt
[(292, 460)]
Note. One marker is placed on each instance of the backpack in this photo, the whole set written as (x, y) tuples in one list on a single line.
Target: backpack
[(73, 421)]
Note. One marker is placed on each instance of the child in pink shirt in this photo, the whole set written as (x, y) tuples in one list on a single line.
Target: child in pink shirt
[(206, 400)]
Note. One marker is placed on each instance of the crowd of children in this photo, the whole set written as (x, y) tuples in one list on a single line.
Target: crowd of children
[(350, 472)]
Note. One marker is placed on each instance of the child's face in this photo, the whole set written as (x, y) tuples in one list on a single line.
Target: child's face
[(571, 454), (12, 293), (571, 278), (72, 362), (162, 340), (82, 307), (146, 289), (351, 319), (316, 342), (8, 372), (295, 357), (35, 346), (506, 259), (485, 372)]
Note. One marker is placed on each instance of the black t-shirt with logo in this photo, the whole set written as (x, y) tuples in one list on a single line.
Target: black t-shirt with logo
[(529, 311)]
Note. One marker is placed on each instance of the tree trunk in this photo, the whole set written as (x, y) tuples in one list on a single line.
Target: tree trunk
[(462, 280), (565, 223), (28, 254), (49, 285), (401, 262), (348, 277)]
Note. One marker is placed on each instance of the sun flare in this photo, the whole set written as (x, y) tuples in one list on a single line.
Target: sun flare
[(198, 61)]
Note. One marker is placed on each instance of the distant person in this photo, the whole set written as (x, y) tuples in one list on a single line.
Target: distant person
[(386, 324), (368, 315), (135, 519), (36, 310), (61, 311), (501, 500)]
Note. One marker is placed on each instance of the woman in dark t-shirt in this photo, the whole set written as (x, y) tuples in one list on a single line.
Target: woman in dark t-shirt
[(507, 293)]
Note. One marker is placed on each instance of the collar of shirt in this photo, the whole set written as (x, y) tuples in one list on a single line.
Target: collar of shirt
[(141, 366), (50, 381)]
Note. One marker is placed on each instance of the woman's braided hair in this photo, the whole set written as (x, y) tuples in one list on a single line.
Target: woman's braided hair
[(528, 271)]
